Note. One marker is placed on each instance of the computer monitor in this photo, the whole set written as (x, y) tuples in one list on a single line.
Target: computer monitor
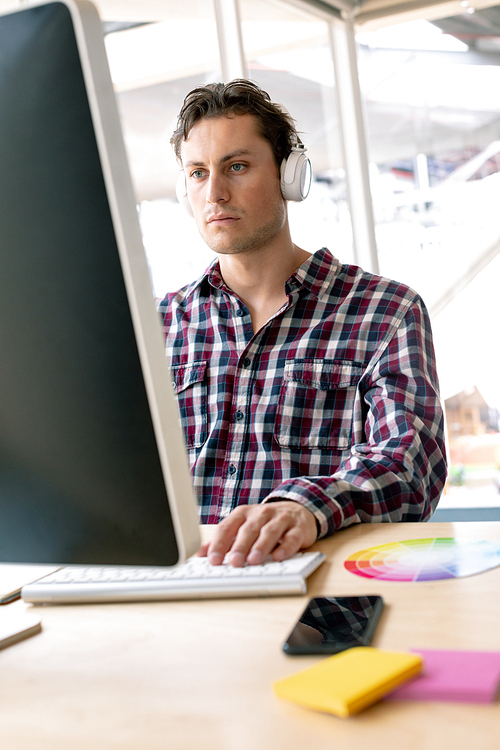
[(93, 468)]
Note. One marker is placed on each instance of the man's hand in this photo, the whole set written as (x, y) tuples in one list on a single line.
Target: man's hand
[(252, 532)]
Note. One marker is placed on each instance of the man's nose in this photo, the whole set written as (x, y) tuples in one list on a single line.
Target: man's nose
[(217, 189)]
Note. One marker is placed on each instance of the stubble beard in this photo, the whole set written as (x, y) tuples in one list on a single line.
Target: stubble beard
[(256, 240)]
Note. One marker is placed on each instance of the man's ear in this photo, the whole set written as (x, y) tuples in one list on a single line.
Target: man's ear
[(181, 193)]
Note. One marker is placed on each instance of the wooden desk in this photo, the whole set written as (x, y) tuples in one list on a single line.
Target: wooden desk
[(198, 675)]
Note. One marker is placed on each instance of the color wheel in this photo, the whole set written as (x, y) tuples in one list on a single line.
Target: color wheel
[(425, 559)]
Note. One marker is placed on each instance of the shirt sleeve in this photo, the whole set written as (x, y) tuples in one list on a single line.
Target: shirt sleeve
[(396, 467)]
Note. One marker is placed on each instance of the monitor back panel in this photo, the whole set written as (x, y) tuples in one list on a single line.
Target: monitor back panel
[(80, 474)]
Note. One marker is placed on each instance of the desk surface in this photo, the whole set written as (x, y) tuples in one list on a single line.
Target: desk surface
[(198, 675)]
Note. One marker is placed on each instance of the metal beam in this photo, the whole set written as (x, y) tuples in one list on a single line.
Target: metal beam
[(232, 56), (324, 8), (353, 140), (407, 6), (462, 282)]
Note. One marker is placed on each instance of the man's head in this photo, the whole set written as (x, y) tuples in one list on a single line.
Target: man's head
[(239, 97), (241, 163), (232, 184)]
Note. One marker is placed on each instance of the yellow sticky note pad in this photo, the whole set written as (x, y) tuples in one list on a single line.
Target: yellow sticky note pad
[(349, 681)]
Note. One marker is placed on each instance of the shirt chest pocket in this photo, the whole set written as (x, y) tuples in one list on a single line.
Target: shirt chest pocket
[(190, 385), (316, 403)]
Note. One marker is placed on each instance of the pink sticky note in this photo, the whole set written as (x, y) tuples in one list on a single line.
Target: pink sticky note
[(469, 676)]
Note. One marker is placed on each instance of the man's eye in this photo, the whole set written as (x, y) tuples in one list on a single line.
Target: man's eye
[(197, 173), (237, 167)]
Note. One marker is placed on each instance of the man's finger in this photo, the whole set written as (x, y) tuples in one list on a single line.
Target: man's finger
[(225, 535), (290, 543), (297, 530), (257, 538)]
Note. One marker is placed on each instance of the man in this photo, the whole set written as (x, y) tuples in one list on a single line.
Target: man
[(307, 388)]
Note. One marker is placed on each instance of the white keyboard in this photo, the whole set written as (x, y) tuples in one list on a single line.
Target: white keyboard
[(194, 579)]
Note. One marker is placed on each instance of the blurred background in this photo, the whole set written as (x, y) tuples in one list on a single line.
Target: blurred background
[(399, 106)]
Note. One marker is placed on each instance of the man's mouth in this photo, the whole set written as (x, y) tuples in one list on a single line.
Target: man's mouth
[(221, 219)]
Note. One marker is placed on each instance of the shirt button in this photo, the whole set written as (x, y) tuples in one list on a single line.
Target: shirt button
[(239, 415), (232, 469), (246, 362), (240, 313)]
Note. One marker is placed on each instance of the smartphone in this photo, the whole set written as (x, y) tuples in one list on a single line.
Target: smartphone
[(330, 624)]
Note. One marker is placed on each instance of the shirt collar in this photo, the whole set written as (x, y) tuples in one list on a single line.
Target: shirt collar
[(211, 276), (316, 274), (214, 276)]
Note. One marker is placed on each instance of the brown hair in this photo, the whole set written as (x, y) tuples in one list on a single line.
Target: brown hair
[(239, 97)]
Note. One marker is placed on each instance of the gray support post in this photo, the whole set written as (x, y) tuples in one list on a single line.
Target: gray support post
[(353, 139), (227, 17)]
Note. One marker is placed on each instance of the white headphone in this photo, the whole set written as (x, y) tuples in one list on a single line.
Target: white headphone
[(295, 178), (296, 174)]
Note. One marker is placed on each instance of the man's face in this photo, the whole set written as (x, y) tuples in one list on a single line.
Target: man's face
[(233, 184)]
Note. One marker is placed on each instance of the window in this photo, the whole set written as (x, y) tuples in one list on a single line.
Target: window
[(287, 53), (153, 66), (433, 111)]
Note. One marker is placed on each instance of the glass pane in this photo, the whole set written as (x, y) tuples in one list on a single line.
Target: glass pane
[(288, 55), (153, 66), (433, 114)]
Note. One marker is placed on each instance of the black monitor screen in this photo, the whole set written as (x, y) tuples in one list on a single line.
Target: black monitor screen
[(80, 475)]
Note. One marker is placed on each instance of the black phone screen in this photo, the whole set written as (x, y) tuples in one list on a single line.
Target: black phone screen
[(332, 624)]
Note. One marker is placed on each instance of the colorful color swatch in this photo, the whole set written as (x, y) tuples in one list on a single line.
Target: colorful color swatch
[(425, 559)]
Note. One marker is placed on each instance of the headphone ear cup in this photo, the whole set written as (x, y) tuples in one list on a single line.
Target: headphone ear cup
[(181, 193), (296, 175)]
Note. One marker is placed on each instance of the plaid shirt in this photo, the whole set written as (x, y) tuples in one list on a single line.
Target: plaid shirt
[(333, 404)]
